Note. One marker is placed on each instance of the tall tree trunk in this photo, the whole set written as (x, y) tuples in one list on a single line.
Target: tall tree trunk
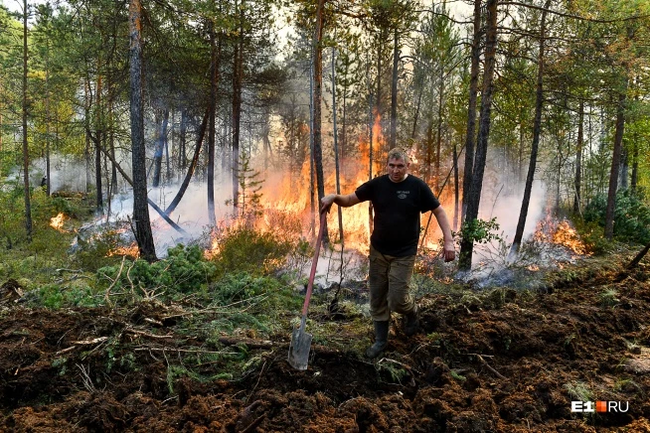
[(238, 76), (473, 196), (99, 135), (141, 219), (471, 109), (371, 122), (634, 179), (537, 127), (456, 191), (577, 184), (318, 85), (28, 204), (212, 123), (182, 140), (616, 161), (161, 133), (441, 98), (336, 147), (393, 93)]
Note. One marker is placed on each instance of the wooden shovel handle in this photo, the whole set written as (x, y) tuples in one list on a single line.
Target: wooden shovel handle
[(314, 263)]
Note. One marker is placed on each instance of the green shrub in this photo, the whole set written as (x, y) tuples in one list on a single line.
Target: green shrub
[(185, 270), (55, 296), (247, 250), (631, 216)]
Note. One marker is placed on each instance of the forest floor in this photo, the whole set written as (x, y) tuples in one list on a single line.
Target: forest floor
[(512, 362)]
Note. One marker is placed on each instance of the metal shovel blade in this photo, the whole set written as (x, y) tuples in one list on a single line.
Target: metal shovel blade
[(299, 348)]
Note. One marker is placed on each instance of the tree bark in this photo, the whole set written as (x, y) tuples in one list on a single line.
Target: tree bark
[(212, 123), (28, 204), (616, 161), (577, 184), (141, 219), (99, 134), (318, 85), (238, 76), (160, 146), (473, 196), (471, 109), (393, 93)]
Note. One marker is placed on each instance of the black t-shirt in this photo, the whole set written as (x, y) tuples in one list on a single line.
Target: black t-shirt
[(397, 212)]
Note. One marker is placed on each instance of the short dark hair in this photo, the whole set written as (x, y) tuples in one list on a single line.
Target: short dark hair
[(396, 153)]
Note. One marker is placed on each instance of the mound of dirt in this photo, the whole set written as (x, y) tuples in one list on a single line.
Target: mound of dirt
[(514, 362)]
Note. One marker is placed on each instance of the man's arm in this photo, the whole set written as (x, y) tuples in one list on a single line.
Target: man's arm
[(341, 200), (448, 252)]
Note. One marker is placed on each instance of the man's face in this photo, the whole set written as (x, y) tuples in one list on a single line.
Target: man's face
[(397, 169)]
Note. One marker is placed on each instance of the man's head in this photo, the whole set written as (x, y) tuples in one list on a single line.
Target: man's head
[(398, 164)]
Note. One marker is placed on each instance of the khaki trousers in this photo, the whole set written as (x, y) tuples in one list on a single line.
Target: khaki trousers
[(389, 279)]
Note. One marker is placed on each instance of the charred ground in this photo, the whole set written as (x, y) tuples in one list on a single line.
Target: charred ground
[(495, 360)]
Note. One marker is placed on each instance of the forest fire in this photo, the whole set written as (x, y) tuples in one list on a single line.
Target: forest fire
[(567, 236), (128, 251), (57, 222), (550, 230)]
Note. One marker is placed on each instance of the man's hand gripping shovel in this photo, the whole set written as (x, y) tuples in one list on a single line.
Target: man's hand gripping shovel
[(301, 340)]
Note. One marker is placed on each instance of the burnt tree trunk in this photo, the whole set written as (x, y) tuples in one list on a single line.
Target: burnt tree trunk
[(473, 196), (141, 219), (471, 109), (318, 85)]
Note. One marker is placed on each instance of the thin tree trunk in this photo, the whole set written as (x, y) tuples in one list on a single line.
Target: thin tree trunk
[(616, 161), (537, 127), (393, 93), (473, 196), (28, 204), (336, 147), (318, 85), (577, 184), (212, 124), (141, 219), (238, 75), (99, 134), (183, 139), (160, 146), (471, 110)]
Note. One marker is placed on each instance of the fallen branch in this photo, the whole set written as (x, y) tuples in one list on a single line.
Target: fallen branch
[(147, 334), (638, 257), (175, 349)]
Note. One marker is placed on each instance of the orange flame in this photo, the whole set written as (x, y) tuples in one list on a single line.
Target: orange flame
[(57, 222), (129, 251), (567, 236)]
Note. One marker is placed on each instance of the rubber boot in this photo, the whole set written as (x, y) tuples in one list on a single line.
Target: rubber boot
[(412, 322), (381, 339)]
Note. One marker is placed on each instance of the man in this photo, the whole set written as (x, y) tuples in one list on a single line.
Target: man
[(398, 198)]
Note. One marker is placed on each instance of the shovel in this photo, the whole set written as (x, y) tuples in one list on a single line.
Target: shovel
[(301, 340)]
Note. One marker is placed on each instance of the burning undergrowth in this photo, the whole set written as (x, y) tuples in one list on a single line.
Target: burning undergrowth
[(554, 245)]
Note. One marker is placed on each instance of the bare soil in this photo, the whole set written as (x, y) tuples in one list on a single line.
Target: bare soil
[(511, 363)]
